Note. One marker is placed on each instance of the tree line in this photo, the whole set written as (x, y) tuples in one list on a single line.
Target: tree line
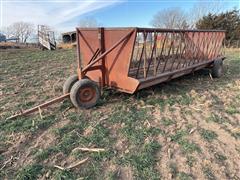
[(229, 21), (21, 31), (175, 18)]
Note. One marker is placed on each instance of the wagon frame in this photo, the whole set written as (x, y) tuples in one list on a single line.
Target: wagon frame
[(113, 52)]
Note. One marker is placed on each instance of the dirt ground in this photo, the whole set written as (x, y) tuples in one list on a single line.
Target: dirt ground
[(188, 128)]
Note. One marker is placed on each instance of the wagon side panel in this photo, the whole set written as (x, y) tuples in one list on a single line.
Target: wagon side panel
[(88, 45), (160, 55), (204, 46), (117, 61)]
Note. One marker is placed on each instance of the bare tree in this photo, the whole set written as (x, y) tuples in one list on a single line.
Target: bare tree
[(201, 8), (88, 22), (172, 18), (21, 30), (177, 18)]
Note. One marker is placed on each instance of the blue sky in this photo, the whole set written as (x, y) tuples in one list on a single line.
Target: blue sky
[(64, 15)]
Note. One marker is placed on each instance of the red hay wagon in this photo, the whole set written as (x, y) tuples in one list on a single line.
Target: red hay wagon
[(130, 59)]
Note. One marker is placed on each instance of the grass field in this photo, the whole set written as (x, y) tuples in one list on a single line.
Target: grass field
[(188, 128)]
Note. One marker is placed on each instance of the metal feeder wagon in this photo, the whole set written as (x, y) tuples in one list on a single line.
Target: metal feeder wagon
[(130, 59)]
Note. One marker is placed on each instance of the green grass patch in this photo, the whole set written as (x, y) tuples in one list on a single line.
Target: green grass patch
[(78, 127), (1, 157), (93, 170), (182, 99), (232, 110), (156, 101), (27, 124), (178, 175), (137, 136), (63, 175), (144, 161), (179, 135), (208, 135), (3, 142), (70, 137), (102, 156), (190, 161), (43, 154), (100, 137), (132, 121), (215, 118), (236, 135), (185, 99), (68, 142), (188, 146), (184, 176), (112, 175), (167, 121), (220, 157), (171, 101), (173, 169), (30, 172), (128, 115), (65, 104), (208, 173)]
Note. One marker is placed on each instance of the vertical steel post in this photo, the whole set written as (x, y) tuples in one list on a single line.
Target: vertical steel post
[(145, 57), (140, 59), (102, 50), (79, 69), (155, 55), (153, 47)]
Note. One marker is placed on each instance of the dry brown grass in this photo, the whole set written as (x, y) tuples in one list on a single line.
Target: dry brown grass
[(66, 45)]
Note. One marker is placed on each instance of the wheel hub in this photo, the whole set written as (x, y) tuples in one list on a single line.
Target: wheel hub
[(87, 94)]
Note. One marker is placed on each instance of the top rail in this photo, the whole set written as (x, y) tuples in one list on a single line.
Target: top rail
[(177, 30), (156, 29)]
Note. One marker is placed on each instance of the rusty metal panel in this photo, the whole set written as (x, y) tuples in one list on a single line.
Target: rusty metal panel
[(116, 62), (88, 40)]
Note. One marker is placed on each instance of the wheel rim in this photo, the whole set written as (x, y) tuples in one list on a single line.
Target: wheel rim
[(87, 94)]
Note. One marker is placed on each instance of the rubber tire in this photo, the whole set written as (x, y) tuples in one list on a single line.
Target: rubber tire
[(217, 69), (74, 93), (69, 83)]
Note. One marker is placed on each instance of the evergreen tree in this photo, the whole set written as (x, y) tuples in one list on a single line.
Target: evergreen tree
[(229, 21)]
